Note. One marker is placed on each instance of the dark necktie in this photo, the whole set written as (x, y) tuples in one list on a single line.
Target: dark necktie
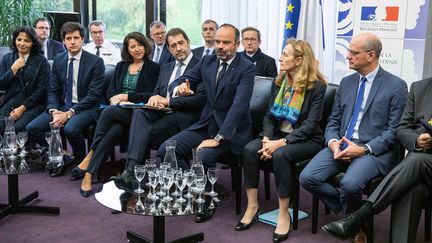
[(97, 50), (178, 72), (222, 73), (207, 52), (157, 55), (357, 107), (69, 85)]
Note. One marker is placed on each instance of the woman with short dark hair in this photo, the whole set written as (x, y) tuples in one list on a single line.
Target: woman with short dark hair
[(24, 76)]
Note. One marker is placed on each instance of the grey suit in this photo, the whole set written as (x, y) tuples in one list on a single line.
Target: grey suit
[(377, 129), (408, 185)]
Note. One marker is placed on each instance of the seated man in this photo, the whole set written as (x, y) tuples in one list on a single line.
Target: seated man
[(409, 184), (100, 46), (225, 122), (361, 132), (208, 32), (251, 40), (149, 129), (50, 47), (160, 54), (74, 94)]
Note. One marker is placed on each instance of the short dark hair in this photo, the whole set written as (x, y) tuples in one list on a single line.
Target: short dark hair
[(43, 19), (70, 27), (175, 32), (236, 31), (210, 21), (252, 29), (126, 56), (30, 32)]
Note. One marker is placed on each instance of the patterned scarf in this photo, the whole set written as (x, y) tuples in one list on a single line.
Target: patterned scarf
[(288, 103)]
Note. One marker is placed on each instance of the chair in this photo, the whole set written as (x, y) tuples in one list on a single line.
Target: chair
[(258, 107), (427, 218), (298, 166)]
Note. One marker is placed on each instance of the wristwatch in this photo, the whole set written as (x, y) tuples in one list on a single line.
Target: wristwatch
[(218, 138), (69, 114), (367, 150)]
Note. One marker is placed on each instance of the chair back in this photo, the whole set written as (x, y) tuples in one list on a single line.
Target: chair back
[(259, 102), (328, 104), (109, 73), (3, 51)]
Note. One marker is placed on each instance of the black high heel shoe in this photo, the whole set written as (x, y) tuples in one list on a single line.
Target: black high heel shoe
[(85, 194), (77, 174), (242, 226), (280, 237)]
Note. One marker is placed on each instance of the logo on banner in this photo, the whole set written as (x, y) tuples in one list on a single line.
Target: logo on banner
[(380, 13)]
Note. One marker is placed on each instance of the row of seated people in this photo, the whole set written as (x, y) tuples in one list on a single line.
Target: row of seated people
[(361, 132)]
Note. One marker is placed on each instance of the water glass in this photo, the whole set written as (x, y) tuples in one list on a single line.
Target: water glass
[(213, 175), (139, 175)]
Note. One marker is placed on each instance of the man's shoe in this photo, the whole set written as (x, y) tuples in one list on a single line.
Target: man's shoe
[(242, 226), (124, 180), (204, 215), (345, 228), (77, 174)]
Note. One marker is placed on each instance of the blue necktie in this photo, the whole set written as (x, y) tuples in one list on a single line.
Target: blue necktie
[(357, 107), (69, 85), (178, 72), (207, 52)]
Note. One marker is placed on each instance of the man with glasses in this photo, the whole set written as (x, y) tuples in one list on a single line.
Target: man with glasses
[(361, 132), (160, 53), (108, 51), (251, 40), (208, 33), (50, 47)]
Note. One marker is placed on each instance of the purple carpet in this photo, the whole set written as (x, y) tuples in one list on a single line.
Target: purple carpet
[(85, 220)]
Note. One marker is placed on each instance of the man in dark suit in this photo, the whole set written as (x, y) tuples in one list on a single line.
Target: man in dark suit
[(76, 89), (161, 54), (50, 47), (149, 129), (361, 132), (408, 186), (251, 40), (209, 28), (225, 122)]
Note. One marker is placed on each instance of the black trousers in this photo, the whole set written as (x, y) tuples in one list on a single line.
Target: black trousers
[(282, 158), (112, 123), (405, 187)]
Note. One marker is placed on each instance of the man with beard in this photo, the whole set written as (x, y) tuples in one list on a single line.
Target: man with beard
[(225, 123)]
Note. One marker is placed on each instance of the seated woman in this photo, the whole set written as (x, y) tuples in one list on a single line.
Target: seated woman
[(291, 131), (24, 76), (134, 80)]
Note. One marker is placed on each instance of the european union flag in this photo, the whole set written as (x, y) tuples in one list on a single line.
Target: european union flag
[(291, 19)]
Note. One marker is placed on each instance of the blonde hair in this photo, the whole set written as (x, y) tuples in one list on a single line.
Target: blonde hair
[(307, 73)]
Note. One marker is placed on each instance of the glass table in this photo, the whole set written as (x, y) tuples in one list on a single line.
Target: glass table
[(16, 205), (125, 200)]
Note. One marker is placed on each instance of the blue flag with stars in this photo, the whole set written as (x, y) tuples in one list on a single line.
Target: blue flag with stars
[(292, 17)]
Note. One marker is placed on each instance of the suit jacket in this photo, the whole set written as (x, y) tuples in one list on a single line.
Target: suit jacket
[(28, 87), (381, 116), (90, 82), (165, 56), (198, 52), (145, 85), (54, 47), (418, 106), (265, 66), (308, 123), (227, 102), (187, 109)]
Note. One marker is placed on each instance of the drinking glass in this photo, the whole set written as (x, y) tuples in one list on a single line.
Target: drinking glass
[(154, 180), (160, 173), (213, 175), (198, 170), (200, 181), (181, 184), (21, 140), (139, 175), (150, 166), (139, 206), (176, 172), (189, 178)]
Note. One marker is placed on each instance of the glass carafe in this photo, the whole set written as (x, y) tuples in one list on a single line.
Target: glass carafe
[(55, 151), (170, 156)]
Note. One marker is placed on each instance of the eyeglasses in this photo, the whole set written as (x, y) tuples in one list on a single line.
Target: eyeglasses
[(96, 32), (249, 39), (355, 53), (159, 34), (42, 28)]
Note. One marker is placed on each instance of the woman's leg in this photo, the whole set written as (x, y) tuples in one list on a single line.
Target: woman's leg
[(284, 219)]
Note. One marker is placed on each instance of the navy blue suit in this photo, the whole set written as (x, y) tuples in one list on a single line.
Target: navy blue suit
[(377, 129), (226, 109), (198, 52), (89, 89), (165, 56), (115, 120), (149, 129), (27, 87), (54, 47)]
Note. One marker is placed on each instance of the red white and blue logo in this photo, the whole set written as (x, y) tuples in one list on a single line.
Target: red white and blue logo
[(380, 13)]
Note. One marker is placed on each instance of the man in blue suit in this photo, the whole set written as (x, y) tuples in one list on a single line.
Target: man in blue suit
[(361, 132), (209, 28), (50, 47), (161, 54), (76, 89), (225, 122), (149, 128)]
